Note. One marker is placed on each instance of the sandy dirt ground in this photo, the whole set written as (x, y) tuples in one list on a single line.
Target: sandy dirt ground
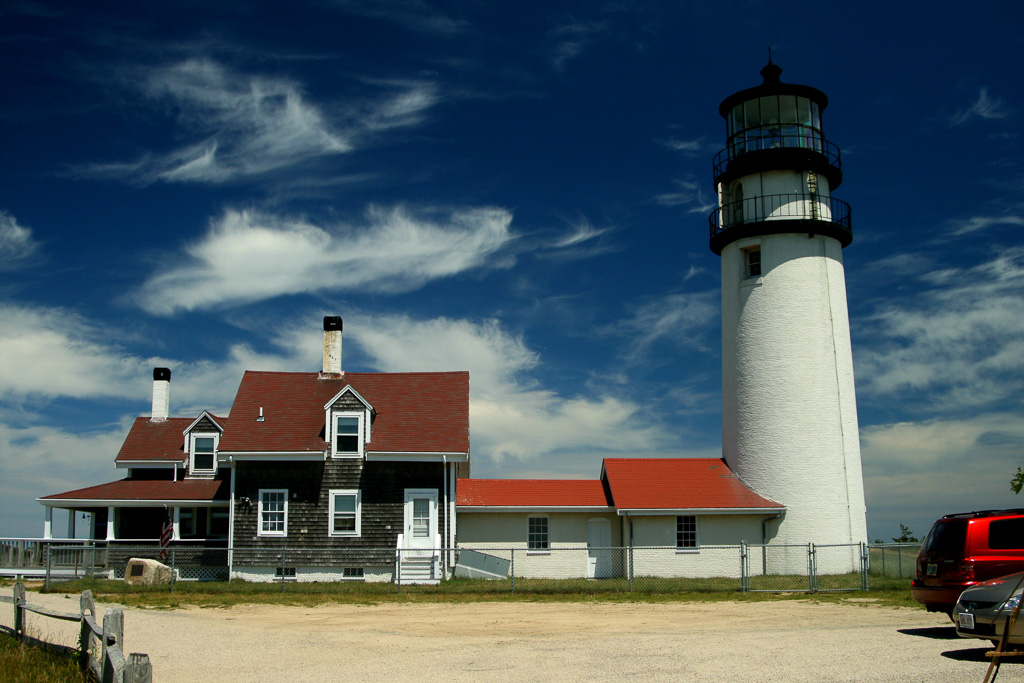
[(757, 641)]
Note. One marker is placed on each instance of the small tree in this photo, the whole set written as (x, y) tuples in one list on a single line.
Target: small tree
[(1017, 483), (906, 535)]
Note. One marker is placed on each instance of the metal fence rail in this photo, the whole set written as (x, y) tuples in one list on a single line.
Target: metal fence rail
[(741, 568)]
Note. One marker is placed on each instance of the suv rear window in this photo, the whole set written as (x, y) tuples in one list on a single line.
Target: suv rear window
[(1006, 534), (946, 538)]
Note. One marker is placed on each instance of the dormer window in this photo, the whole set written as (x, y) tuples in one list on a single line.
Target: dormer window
[(348, 442), (203, 454)]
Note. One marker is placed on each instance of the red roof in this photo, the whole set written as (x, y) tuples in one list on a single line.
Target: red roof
[(678, 484), (531, 493), (425, 412), (150, 490), (150, 440)]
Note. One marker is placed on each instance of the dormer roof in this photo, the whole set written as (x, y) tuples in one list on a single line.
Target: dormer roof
[(206, 422)]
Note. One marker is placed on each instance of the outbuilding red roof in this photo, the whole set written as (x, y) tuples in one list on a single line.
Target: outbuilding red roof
[(150, 490), (531, 493), (424, 412), (678, 484)]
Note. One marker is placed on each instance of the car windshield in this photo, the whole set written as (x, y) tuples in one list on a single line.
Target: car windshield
[(946, 538)]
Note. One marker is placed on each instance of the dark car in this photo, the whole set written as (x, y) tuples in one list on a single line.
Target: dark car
[(964, 549), (983, 611)]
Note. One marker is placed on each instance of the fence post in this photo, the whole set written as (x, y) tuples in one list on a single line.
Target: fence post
[(812, 568), (113, 629), (398, 570), (172, 569), (512, 570), (631, 564), (284, 555), (46, 583), (865, 565), (138, 669), (19, 609), (743, 566), (86, 608)]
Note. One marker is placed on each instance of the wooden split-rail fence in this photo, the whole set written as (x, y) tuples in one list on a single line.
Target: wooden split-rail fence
[(100, 645)]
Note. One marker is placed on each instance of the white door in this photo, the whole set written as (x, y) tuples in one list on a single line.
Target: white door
[(599, 552), (420, 518)]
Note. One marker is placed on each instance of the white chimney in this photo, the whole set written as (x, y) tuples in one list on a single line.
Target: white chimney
[(161, 394), (332, 345)]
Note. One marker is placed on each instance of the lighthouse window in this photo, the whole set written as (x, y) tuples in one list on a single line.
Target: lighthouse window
[(752, 262)]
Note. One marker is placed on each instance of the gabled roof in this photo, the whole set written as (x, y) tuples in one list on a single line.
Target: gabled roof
[(679, 484), (148, 491), (416, 412), (159, 440), (537, 493), (210, 417)]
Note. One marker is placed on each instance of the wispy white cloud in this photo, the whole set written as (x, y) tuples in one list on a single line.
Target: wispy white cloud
[(985, 107), (682, 320), (572, 39), (957, 346), (689, 193), (415, 15), (244, 125), (17, 245), (582, 240), (691, 148), (514, 418), (976, 223), (248, 256)]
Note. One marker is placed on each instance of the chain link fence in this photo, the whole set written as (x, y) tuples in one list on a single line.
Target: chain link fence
[(740, 568)]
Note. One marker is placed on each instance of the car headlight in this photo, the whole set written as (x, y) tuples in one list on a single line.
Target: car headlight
[(1011, 604)]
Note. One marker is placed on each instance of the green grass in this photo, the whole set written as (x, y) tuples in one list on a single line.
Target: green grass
[(884, 591), (20, 663)]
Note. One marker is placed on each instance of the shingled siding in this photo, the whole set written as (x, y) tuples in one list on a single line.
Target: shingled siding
[(309, 484)]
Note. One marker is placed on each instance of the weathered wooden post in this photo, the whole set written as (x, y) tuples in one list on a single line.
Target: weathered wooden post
[(138, 669), (19, 609), (87, 611), (113, 633)]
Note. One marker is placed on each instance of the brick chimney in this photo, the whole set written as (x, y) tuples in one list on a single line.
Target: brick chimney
[(332, 345), (161, 394)]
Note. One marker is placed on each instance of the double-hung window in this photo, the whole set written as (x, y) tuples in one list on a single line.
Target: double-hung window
[(345, 513), (204, 454), (686, 532), (273, 512), (347, 435), (752, 262), (537, 534)]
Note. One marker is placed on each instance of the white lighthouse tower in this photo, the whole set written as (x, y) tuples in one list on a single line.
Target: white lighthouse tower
[(789, 408)]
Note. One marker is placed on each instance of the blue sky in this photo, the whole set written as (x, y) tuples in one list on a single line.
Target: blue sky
[(520, 190)]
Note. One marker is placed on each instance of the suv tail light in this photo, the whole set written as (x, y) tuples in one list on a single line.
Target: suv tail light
[(964, 571)]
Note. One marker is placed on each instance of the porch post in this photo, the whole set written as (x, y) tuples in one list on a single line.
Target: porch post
[(176, 523), (47, 522), (71, 523), (110, 523)]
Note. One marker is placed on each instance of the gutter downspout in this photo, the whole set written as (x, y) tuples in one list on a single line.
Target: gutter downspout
[(444, 476), (764, 542)]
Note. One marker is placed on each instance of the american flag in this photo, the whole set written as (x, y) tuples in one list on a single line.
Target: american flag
[(166, 533)]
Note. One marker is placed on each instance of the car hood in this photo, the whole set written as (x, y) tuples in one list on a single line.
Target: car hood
[(994, 590)]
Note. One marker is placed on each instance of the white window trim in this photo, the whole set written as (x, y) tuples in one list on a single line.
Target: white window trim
[(360, 433), (745, 276), (330, 513), (192, 451), (696, 535), (259, 514), (538, 551)]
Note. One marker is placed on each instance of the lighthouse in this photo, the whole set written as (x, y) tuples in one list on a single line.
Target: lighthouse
[(789, 407)]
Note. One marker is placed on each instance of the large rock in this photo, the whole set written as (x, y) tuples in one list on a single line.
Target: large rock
[(139, 572)]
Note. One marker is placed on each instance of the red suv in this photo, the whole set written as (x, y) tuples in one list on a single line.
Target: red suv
[(964, 549)]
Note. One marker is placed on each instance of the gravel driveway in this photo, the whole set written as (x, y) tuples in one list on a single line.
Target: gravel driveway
[(756, 641)]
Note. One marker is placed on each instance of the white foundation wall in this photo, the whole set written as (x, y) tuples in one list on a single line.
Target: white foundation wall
[(500, 532), (310, 575), (717, 554), (789, 427)]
